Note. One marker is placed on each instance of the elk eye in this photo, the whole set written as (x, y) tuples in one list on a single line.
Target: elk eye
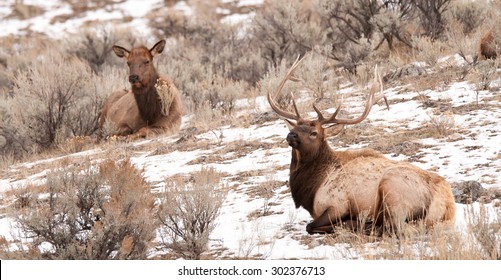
[(146, 62), (313, 134)]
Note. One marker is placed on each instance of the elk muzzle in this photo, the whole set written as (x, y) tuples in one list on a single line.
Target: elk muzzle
[(293, 140), (133, 79)]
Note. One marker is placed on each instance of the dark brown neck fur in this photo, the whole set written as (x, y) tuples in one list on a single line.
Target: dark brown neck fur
[(307, 176), (148, 101)]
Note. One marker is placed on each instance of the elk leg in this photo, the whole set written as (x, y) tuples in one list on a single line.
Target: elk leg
[(358, 226), (124, 130), (141, 133), (323, 224), (321, 229)]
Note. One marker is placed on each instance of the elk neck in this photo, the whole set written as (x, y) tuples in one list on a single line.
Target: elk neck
[(306, 176), (148, 101)]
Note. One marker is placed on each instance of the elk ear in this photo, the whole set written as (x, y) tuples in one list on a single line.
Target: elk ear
[(290, 124), (157, 48), (120, 51), (336, 129)]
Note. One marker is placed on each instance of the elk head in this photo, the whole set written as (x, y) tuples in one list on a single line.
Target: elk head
[(307, 136), (142, 73)]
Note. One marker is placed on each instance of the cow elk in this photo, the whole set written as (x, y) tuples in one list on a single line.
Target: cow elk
[(152, 106), (490, 46), (341, 187)]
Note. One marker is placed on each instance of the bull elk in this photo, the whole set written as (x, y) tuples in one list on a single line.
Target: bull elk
[(341, 187), (152, 106)]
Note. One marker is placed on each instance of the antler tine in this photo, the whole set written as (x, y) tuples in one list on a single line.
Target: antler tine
[(381, 93), (272, 102), (321, 117), (295, 106), (370, 102)]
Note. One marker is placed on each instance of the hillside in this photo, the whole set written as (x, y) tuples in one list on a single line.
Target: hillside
[(451, 128)]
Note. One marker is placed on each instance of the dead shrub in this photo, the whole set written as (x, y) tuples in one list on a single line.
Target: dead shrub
[(213, 47), (169, 22), (431, 14), (470, 15), (89, 213), (465, 46), (443, 124), (223, 93), (94, 46), (271, 80), (353, 29), (188, 212), (318, 77), (42, 96), (282, 30), (14, 59), (209, 96), (206, 118), (23, 197), (209, 79), (55, 98), (428, 50), (356, 54), (483, 74)]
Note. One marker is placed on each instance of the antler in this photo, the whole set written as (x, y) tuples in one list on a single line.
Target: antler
[(372, 99), (272, 102)]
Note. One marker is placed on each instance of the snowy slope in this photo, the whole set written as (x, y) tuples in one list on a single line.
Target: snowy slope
[(473, 155)]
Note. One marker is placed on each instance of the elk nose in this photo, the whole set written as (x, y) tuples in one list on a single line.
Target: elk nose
[(292, 136), (133, 78)]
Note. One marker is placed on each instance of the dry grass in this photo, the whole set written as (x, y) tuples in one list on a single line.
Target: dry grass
[(443, 124), (264, 191), (480, 242), (76, 144), (214, 66)]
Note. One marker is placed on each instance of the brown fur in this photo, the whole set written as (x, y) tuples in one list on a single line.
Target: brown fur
[(489, 46), (137, 113), (340, 186)]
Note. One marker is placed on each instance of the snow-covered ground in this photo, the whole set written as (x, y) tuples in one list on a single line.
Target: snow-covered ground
[(57, 18), (45, 22), (281, 234), (473, 153)]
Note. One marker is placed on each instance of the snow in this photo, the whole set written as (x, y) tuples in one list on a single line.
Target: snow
[(234, 19), (242, 3), (279, 235), (266, 236), (137, 9)]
